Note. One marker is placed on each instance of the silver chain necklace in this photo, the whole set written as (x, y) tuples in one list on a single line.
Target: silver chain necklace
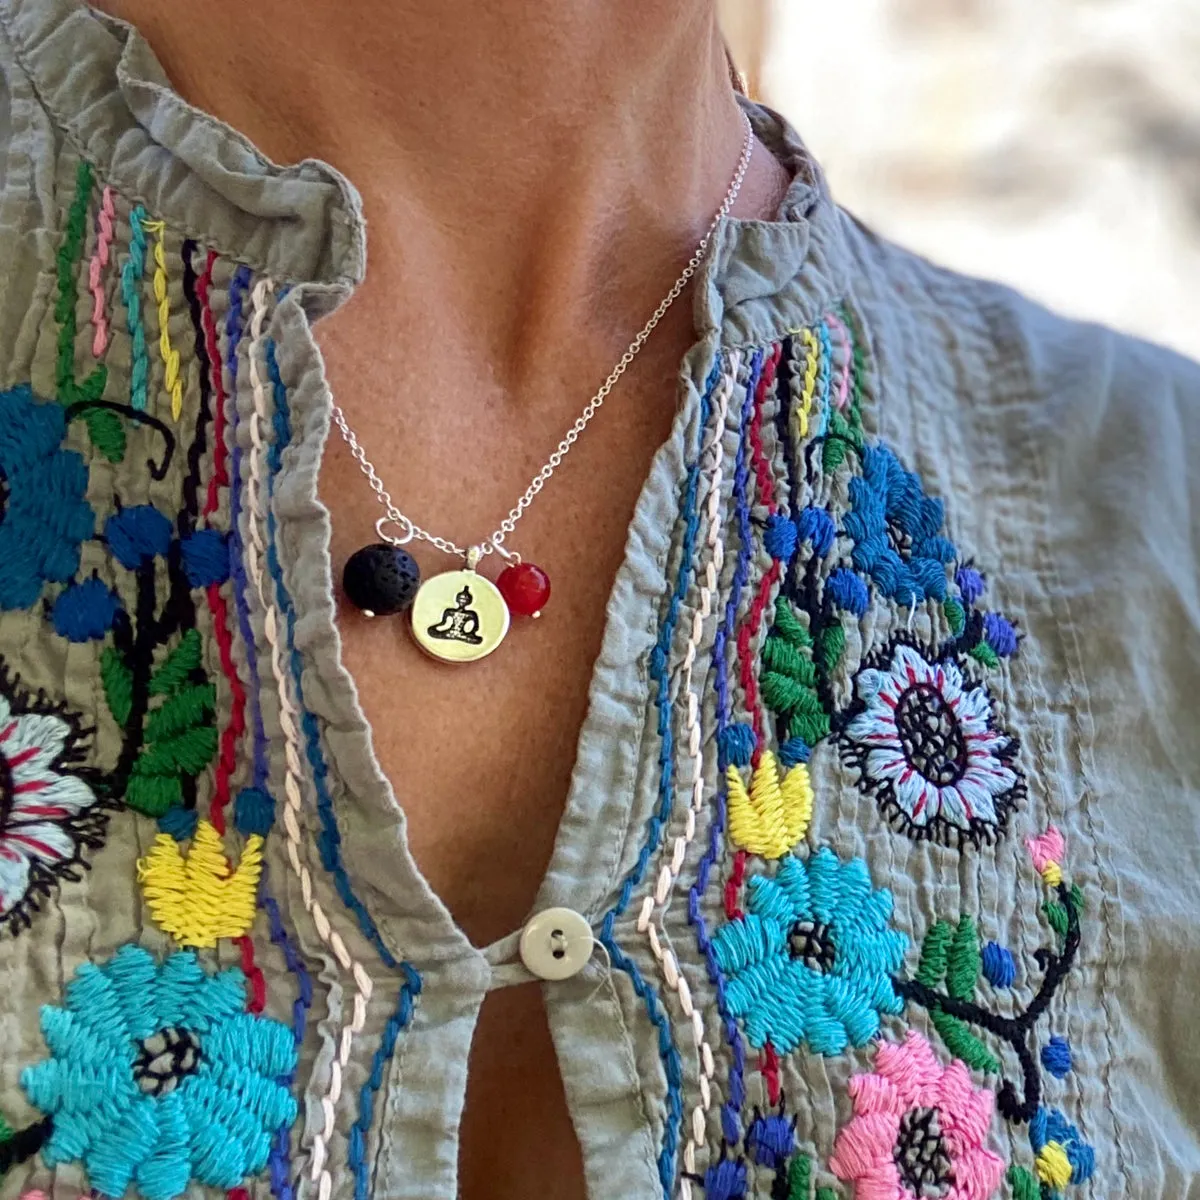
[(383, 578)]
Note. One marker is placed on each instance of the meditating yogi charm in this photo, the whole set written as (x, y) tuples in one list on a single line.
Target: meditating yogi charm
[(459, 616)]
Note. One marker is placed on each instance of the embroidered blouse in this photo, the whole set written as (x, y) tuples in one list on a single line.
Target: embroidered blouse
[(885, 811)]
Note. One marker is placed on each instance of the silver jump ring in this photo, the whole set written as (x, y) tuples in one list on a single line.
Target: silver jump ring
[(391, 539)]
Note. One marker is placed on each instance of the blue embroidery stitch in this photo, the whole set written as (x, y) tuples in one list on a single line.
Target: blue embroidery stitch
[(280, 1161), (731, 1122), (329, 839), (662, 812), (399, 1021)]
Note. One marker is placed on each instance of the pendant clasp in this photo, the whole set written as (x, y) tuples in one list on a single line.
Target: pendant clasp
[(404, 523)]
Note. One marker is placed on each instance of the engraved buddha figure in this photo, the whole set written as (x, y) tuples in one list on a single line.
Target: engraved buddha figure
[(459, 624)]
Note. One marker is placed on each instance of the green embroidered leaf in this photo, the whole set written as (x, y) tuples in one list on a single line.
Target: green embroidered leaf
[(1077, 897), (986, 655), (153, 794), (1024, 1184), (827, 1193), (1056, 914), (117, 681), (107, 431), (833, 643), (785, 658), (962, 1043), (789, 683), (964, 962), (952, 953), (956, 616), (800, 1178), (178, 665), (833, 455), (6, 1131), (931, 969), (187, 753), (809, 720), (185, 708), (788, 626)]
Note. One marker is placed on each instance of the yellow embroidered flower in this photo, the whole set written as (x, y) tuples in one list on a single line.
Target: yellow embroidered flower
[(774, 816), (198, 897)]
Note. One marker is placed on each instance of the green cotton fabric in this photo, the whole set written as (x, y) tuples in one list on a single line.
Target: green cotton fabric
[(1061, 453)]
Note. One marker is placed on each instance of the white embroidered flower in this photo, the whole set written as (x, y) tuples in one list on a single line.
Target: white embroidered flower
[(927, 749), (47, 813)]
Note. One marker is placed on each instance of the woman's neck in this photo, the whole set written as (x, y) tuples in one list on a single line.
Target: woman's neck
[(521, 159)]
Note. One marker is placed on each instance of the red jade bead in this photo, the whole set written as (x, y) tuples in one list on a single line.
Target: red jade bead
[(525, 589)]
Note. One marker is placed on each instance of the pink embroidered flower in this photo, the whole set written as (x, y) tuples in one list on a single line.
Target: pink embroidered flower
[(928, 749), (918, 1131), (1047, 851), (48, 811)]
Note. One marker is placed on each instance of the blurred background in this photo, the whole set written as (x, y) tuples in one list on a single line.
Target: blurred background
[(1050, 144)]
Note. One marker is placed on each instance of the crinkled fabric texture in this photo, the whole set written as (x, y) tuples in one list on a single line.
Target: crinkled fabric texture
[(1004, 496)]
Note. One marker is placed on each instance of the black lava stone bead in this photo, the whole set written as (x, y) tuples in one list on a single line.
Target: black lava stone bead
[(381, 579)]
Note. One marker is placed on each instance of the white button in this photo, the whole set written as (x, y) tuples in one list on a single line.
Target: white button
[(556, 944)]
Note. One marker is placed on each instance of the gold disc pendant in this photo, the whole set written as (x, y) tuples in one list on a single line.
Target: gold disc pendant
[(459, 616)]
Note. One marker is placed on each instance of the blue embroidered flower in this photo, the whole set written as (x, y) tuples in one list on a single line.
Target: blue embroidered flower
[(816, 526), (205, 557), (779, 537), (1062, 1155), (811, 960), (847, 591), (897, 530), (971, 583), (85, 611), (136, 535), (158, 1076), (1056, 1056), (44, 517), (1000, 634), (999, 969), (771, 1139)]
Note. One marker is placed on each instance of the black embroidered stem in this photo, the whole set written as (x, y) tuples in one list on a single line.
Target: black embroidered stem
[(783, 427), (179, 612), (137, 648), (191, 482), (24, 1144), (157, 471), (802, 594), (1013, 1030)]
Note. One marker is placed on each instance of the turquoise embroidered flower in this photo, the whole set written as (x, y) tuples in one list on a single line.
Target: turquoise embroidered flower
[(158, 1076), (811, 960), (44, 517), (897, 530)]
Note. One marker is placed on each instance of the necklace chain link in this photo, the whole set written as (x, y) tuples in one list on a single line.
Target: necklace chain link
[(495, 543)]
